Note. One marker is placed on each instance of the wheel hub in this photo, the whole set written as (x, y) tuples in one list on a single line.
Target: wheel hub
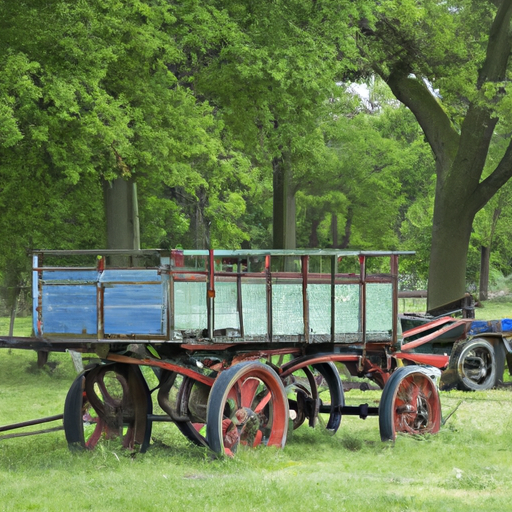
[(475, 368)]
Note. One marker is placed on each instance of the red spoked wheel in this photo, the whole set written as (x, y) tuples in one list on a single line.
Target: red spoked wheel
[(108, 401), (247, 406), (410, 404)]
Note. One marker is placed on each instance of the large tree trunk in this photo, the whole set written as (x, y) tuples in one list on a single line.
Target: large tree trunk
[(345, 241), (460, 158), (450, 240), (313, 234), (284, 235), (454, 212), (334, 230), (122, 217)]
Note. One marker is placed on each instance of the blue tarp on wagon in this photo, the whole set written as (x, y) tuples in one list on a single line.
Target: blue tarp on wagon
[(483, 326)]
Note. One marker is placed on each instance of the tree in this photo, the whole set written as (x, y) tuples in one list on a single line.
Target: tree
[(353, 194), (270, 78), (89, 96), (490, 239), (453, 74)]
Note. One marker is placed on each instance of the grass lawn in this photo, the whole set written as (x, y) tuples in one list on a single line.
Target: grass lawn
[(22, 326), (466, 467), (461, 470), (498, 308)]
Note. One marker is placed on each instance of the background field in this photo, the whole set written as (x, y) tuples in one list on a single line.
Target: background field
[(465, 467)]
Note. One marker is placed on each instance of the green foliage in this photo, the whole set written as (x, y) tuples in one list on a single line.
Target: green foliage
[(448, 62), (444, 42), (271, 78), (491, 229), (94, 98), (199, 101), (375, 167)]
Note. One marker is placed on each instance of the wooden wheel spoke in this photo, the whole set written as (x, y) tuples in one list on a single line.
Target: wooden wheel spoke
[(235, 394), (248, 390), (106, 394), (263, 402), (96, 435)]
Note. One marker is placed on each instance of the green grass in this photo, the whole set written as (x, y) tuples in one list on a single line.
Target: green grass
[(465, 467), (22, 326), (495, 309)]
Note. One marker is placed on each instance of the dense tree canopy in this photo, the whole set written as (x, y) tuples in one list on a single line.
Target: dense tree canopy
[(88, 91), (449, 63), (240, 124)]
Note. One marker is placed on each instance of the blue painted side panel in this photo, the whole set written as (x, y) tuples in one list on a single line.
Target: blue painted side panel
[(134, 309), (69, 309), (90, 276), (68, 302), (134, 302), (137, 308)]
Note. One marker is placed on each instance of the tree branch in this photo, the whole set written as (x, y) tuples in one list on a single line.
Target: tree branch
[(495, 181), (494, 69), (434, 121), (498, 47)]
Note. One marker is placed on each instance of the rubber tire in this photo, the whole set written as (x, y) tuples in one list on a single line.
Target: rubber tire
[(497, 364), (388, 406), (72, 419), (219, 395), (331, 375)]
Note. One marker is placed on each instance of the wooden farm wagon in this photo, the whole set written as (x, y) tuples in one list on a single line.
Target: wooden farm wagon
[(238, 341)]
